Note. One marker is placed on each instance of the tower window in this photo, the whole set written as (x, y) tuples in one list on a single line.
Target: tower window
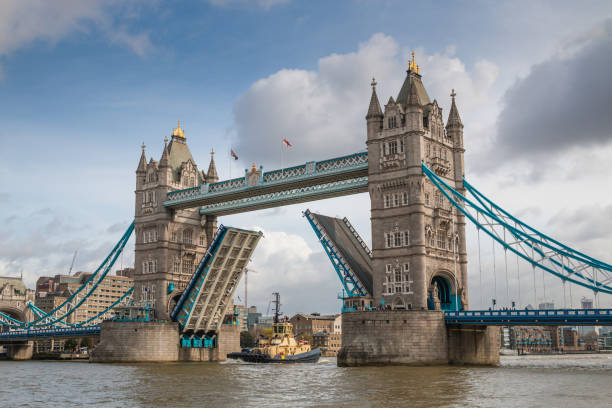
[(405, 198), (406, 238), (387, 201), (173, 239), (177, 266), (425, 122), (393, 147), (187, 237), (396, 200), (201, 240), (392, 122), (427, 199), (398, 239), (441, 239), (388, 240)]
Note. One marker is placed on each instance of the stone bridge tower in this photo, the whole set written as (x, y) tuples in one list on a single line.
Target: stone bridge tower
[(418, 244), (169, 243)]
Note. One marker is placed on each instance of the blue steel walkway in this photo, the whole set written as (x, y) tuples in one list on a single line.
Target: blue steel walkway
[(560, 317), (29, 334)]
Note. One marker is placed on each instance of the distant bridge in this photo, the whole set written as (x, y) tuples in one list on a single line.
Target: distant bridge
[(557, 317)]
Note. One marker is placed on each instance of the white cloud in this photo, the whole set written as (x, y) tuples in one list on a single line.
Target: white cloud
[(322, 112), (22, 23), (285, 263)]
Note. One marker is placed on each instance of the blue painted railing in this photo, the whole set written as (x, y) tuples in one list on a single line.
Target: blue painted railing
[(557, 317), (25, 334)]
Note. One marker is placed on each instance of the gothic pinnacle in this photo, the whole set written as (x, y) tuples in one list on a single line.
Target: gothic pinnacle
[(374, 110)]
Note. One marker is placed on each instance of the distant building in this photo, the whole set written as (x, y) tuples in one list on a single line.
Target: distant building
[(546, 306), (604, 341), (329, 342), (53, 291), (586, 303)]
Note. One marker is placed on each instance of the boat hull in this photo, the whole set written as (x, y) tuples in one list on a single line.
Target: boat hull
[(308, 357)]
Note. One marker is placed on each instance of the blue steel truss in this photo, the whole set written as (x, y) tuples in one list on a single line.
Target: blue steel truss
[(284, 197), (526, 242), (557, 317), (56, 318), (309, 181), (351, 283)]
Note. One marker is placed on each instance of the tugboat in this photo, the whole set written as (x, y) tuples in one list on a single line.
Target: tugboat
[(280, 347)]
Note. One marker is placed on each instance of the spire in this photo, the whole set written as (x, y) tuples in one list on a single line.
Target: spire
[(142, 164), (412, 66), (454, 120), (374, 110), (163, 162), (212, 176)]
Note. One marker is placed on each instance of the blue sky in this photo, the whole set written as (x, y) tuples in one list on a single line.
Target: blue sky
[(84, 83)]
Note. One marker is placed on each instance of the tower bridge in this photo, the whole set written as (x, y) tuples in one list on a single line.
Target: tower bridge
[(406, 296)]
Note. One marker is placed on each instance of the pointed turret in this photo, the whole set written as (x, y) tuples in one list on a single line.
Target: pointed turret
[(142, 164), (454, 120), (374, 111), (163, 162), (212, 176), (375, 115)]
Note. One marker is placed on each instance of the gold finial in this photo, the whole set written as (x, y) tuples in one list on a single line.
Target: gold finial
[(212, 152), (254, 168), (412, 66), (143, 147), (178, 131), (166, 141), (373, 83)]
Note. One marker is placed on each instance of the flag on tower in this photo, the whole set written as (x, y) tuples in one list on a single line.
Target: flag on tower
[(286, 143), (233, 154)]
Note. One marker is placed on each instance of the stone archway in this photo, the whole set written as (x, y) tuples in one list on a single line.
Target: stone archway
[(442, 286)]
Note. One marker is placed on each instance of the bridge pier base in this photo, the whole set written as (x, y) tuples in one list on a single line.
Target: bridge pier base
[(20, 351), (136, 342), (412, 337), (475, 345)]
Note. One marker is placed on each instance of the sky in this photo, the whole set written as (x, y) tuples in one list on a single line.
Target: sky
[(84, 83)]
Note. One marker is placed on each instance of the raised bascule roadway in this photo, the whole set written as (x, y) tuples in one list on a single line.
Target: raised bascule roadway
[(405, 299)]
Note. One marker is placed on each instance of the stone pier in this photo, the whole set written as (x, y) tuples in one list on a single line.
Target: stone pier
[(157, 342), (413, 337), (19, 351)]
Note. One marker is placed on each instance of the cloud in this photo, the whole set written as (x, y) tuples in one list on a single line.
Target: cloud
[(322, 112), (265, 4), (22, 23), (562, 104), (285, 263), (4, 197)]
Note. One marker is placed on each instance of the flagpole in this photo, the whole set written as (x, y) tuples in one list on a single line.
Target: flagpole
[(230, 161), (282, 170)]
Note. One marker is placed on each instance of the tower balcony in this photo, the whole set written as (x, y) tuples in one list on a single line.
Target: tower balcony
[(392, 160), (440, 166)]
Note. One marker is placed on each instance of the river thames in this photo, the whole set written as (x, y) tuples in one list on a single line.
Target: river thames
[(527, 381)]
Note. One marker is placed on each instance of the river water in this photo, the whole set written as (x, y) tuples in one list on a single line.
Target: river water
[(525, 381)]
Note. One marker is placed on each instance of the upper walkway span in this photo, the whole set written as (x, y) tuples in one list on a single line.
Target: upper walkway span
[(258, 189)]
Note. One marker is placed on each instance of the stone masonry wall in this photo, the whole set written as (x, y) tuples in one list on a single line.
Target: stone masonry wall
[(476, 345), (137, 341), (411, 337)]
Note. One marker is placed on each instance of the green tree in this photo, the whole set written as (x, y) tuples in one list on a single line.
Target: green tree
[(246, 339), (70, 344)]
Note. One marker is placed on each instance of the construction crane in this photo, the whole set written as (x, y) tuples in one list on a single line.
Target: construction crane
[(246, 274), (72, 264)]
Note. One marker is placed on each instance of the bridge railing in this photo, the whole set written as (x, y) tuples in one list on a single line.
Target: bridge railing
[(557, 316), (356, 161), (55, 332)]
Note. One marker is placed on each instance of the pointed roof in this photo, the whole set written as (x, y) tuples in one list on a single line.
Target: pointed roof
[(413, 79), (453, 116), (164, 161), (212, 175), (374, 110), (142, 164)]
